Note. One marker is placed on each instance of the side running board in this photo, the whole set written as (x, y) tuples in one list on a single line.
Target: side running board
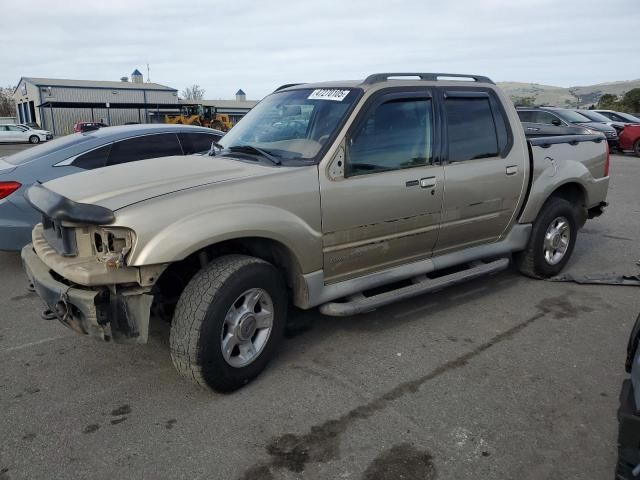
[(360, 303)]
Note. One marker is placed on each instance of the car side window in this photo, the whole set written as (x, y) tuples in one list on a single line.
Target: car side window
[(394, 135), (15, 128), (526, 116), (545, 117), (94, 159), (471, 129), (197, 142), (141, 148)]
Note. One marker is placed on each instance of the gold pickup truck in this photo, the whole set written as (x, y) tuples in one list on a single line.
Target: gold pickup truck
[(345, 196)]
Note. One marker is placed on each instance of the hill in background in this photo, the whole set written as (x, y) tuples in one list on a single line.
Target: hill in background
[(580, 96)]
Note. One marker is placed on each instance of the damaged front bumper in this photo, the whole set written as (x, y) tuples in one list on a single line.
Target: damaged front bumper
[(110, 313)]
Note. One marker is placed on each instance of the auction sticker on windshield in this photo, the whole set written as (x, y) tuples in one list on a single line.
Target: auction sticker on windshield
[(328, 94)]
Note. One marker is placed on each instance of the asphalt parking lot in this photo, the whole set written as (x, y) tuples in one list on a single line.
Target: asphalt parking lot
[(498, 378)]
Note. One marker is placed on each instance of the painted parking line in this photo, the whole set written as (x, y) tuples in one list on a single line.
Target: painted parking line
[(33, 344)]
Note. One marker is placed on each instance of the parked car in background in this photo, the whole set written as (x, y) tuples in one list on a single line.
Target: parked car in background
[(84, 151), (629, 411), (619, 116), (565, 117), (598, 117), (21, 134), (630, 139), (532, 130), (87, 126)]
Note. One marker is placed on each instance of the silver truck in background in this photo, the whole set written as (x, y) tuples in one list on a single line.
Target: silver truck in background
[(345, 196)]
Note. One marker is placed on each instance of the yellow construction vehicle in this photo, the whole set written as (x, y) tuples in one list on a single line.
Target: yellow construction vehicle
[(201, 115)]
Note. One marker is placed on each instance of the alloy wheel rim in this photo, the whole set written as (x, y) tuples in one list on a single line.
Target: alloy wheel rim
[(247, 327), (556, 240)]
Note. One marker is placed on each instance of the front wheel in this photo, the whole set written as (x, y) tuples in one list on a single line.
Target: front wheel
[(228, 322), (34, 139), (552, 240), (636, 148)]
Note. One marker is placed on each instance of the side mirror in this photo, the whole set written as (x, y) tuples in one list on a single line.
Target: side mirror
[(556, 122)]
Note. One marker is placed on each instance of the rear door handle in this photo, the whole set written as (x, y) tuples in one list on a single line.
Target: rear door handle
[(428, 182), (511, 170)]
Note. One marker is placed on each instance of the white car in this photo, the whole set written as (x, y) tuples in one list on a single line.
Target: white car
[(20, 133)]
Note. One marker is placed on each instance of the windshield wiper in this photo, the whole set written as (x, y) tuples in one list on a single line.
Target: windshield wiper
[(259, 151)]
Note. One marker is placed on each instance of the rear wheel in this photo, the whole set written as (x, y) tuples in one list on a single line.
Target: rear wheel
[(34, 139), (552, 240), (228, 322), (636, 148)]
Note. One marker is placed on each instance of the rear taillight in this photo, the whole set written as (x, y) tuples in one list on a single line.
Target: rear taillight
[(607, 160), (7, 188)]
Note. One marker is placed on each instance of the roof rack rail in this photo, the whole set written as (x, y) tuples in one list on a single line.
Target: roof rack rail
[(286, 85), (382, 77)]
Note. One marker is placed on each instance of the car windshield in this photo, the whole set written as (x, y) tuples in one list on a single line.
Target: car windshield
[(291, 125), (595, 116), (628, 117), (46, 148), (571, 117)]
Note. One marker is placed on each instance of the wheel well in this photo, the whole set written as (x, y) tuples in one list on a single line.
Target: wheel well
[(572, 192), (174, 279), (576, 195)]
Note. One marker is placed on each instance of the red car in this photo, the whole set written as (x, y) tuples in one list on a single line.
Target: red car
[(630, 139), (87, 126)]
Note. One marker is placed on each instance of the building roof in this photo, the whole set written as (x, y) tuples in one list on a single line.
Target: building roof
[(63, 82), (240, 92), (136, 72)]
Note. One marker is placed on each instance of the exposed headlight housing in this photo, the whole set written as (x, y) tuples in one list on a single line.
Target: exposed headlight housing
[(112, 245)]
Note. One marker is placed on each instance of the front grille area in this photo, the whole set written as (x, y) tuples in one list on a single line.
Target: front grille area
[(611, 134), (61, 239)]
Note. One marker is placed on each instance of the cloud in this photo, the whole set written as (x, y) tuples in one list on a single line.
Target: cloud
[(257, 46)]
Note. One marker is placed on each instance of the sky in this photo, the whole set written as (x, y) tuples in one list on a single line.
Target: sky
[(259, 45)]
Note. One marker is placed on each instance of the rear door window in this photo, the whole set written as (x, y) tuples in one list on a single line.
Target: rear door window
[(94, 159), (197, 142), (141, 148), (471, 129)]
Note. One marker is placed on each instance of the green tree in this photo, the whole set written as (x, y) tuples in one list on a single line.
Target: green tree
[(608, 102), (631, 100), (523, 101)]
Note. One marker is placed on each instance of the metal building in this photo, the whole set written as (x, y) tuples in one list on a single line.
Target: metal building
[(56, 104)]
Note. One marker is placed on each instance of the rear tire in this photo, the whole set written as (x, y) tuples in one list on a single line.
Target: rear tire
[(552, 240), (34, 139), (228, 322), (636, 148)]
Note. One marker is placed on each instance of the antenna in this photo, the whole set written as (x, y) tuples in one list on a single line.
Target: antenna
[(148, 73)]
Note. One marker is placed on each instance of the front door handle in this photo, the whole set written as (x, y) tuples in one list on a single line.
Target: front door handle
[(428, 182), (511, 170)]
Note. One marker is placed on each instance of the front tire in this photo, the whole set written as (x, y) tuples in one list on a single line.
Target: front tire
[(228, 322), (636, 148), (552, 240), (34, 139)]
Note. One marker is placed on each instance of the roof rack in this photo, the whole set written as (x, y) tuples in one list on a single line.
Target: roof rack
[(383, 77), (286, 85)]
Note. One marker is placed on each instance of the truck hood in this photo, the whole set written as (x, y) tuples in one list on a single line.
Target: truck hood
[(118, 186)]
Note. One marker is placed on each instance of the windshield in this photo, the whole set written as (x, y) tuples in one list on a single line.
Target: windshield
[(571, 117), (595, 116), (628, 117), (294, 124), (46, 148)]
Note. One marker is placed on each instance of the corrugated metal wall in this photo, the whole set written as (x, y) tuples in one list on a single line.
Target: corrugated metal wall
[(65, 118)]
